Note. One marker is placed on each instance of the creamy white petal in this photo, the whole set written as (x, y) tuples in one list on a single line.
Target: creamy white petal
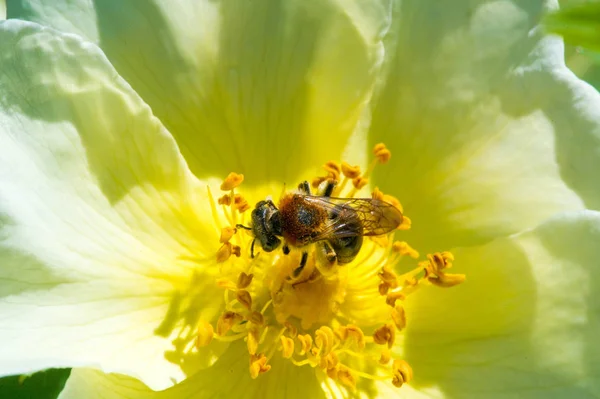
[(97, 213), (228, 378), (489, 131), (525, 322), (268, 88)]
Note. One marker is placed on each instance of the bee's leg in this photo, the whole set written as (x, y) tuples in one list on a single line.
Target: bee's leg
[(329, 187), (303, 261), (304, 187), (252, 248), (327, 259), (286, 249)]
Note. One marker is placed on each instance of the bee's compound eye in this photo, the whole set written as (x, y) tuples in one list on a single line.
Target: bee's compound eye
[(270, 243)]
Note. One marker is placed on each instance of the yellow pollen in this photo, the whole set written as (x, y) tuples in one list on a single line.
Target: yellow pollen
[(399, 317), (334, 169), (402, 373), (226, 321), (258, 365), (287, 345), (226, 234), (316, 315), (381, 152), (360, 182), (224, 252), (351, 172), (232, 181), (244, 298), (385, 335), (244, 280), (404, 249)]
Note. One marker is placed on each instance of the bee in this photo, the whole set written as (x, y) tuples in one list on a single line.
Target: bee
[(336, 225)]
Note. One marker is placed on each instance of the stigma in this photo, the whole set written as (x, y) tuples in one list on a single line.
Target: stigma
[(304, 299)]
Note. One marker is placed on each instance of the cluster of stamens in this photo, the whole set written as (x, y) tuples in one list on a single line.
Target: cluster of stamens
[(263, 304)]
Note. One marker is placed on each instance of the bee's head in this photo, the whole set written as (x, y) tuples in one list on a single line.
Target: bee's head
[(266, 225)]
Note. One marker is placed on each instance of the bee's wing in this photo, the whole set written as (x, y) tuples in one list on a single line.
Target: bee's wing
[(376, 217)]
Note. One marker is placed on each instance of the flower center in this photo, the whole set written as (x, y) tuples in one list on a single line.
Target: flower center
[(322, 296)]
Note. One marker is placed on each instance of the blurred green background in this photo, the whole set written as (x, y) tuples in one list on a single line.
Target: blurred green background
[(43, 385), (578, 22)]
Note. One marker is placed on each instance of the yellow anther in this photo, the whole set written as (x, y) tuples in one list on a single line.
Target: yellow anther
[(232, 181), (447, 280), (287, 346), (406, 223), (383, 288), (291, 329), (224, 200), (258, 365), (244, 298), (330, 361), (356, 334), (306, 342), (224, 252), (399, 317), (333, 168), (240, 203), (345, 376), (236, 250), (244, 280), (317, 181), (392, 297), (226, 234), (381, 152), (324, 339), (226, 321), (402, 373), (440, 261), (377, 194), (360, 182), (252, 340), (332, 373), (351, 172), (385, 357), (257, 318), (385, 335), (205, 334), (388, 276), (404, 249)]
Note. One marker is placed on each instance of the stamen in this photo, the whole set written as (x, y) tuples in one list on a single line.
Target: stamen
[(226, 234), (315, 318), (351, 172), (258, 365), (402, 372), (232, 181), (244, 280), (385, 335)]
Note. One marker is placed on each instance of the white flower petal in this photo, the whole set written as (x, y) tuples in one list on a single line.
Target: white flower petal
[(482, 120), (97, 207), (228, 378), (525, 322), (268, 88)]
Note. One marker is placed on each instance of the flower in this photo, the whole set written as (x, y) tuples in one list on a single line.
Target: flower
[(109, 241)]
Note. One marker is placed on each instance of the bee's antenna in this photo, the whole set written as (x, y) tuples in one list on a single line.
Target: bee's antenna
[(241, 226)]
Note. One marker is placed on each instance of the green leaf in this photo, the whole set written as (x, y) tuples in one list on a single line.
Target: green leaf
[(44, 385), (579, 24)]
